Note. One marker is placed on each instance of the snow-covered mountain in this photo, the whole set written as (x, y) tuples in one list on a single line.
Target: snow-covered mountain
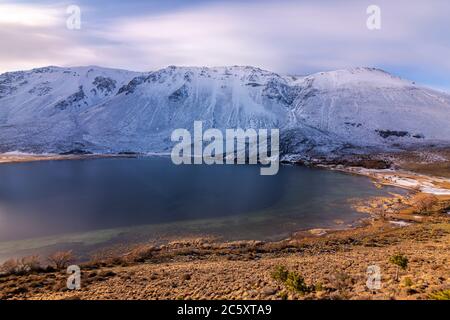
[(106, 110)]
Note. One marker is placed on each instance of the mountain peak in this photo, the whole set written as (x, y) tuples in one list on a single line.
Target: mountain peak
[(358, 76), (56, 109)]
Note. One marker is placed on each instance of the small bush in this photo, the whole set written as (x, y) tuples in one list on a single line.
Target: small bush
[(21, 265), (292, 280), (30, 263), (424, 203), (9, 267), (297, 283), (400, 261), (61, 260), (440, 295), (341, 281), (319, 287), (141, 253), (408, 282), (283, 295), (280, 273)]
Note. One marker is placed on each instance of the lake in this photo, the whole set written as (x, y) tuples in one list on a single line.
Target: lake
[(78, 203)]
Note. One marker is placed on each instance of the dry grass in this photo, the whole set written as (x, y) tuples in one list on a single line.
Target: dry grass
[(440, 169), (331, 266)]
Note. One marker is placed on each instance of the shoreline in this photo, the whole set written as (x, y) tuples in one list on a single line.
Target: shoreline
[(394, 177), (397, 177), (23, 158), (413, 182), (392, 222)]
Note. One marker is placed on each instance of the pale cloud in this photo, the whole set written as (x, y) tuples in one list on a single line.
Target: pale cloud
[(298, 37), (36, 35), (284, 36), (28, 15)]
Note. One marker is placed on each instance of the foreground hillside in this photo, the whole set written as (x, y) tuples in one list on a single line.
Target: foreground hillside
[(332, 267), (92, 109)]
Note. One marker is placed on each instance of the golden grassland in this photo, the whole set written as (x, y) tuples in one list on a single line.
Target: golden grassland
[(332, 267)]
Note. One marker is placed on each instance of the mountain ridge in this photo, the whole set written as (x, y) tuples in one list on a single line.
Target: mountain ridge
[(104, 110)]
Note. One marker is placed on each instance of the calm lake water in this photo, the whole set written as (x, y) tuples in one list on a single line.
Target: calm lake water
[(150, 197)]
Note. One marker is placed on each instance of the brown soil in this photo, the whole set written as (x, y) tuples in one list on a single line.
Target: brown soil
[(334, 264)]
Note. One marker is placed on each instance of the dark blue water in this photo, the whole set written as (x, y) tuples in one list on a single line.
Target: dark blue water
[(58, 197)]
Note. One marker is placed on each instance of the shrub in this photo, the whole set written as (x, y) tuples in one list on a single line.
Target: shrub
[(283, 295), (141, 253), (62, 259), (21, 265), (297, 283), (341, 281), (408, 282), (400, 261), (280, 273), (319, 287), (292, 280), (424, 203), (440, 295), (31, 263), (9, 267)]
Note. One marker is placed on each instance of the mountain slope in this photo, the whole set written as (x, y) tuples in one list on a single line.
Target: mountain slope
[(40, 108), (105, 110), (371, 107)]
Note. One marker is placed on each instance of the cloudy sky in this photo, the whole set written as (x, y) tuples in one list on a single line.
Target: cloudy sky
[(295, 37)]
